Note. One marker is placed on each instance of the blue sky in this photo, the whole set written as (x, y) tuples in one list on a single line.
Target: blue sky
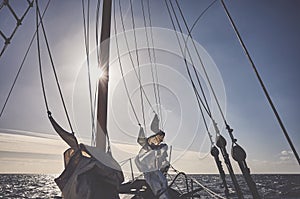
[(270, 30)]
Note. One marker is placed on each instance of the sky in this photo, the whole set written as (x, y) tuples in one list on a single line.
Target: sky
[(269, 29)]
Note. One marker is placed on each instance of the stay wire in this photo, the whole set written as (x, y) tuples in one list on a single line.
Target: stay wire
[(54, 71), (149, 52), (261, 83), (155, 65), (198, 55), (121, 69), (185, 61), (86, 26), (98, 62), (138, 63), (18, 23), (193, 84), (130, 56), (192, 63), (22, 63), (97, 31), (39, 56), (150, 56), (202, 13)]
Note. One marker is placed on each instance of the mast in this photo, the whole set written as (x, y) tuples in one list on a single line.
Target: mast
[(103, 81)]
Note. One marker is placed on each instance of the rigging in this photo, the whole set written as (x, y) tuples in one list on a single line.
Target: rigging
[(214, 150), (18, 20), (39, 18), (138, 63), (121, 68), (261, 83), (22, 63)]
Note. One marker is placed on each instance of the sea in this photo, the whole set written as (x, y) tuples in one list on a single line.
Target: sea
[(275, 186)]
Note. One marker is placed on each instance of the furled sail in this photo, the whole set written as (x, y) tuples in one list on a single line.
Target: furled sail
[(69, 138)]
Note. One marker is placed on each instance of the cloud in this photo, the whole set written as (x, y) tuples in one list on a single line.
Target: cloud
[(27, 152), (286, 155)]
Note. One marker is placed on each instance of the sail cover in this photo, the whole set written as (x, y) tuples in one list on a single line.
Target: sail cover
[(87, 177), (69, 138), (89, 171)]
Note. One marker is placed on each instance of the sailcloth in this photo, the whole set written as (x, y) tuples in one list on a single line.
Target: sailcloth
[(69, 138), (89, 171)]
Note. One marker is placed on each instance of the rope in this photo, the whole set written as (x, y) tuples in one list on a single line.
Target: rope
[(155, 65), (262, 84), (86, 25), (22, 63), (185, 61), (199, 17), (154, 74), (121, 69), (39, 58), (198, 55), (19, 22), (214, 150), (149, 52), (130, 56), (54, 71), (138, 63), (97, 31)]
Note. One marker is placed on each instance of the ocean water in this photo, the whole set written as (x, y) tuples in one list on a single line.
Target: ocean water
[(43, 186)]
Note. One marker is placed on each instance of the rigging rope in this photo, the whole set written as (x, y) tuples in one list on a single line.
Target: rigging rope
[(185, 61), (19, 22), (97, 31), (138, 64), (22, 63), (38, 15), (121, 69), (155, 64), (196, 49), (130, 56), (199, 17), (214, 150), (39, 57), (154, 72), (261, 83), (86, 27)]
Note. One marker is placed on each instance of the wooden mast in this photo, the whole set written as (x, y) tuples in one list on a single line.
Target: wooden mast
[(103, 80)]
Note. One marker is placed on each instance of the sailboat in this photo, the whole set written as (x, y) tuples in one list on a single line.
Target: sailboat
[(92, 171)]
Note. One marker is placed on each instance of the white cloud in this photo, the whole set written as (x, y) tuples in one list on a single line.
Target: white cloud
[(40, 153), (286, 156)]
